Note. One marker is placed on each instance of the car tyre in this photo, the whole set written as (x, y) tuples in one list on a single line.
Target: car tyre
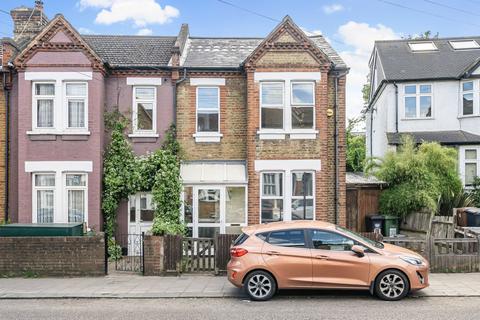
[(391, 285), (260, 286)]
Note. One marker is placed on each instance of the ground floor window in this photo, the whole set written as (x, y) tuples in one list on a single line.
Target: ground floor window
[(287, 195), (213, 209), (470, 162)]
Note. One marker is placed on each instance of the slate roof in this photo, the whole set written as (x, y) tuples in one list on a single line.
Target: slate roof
[(231, 52), (400, 63), (454, 137), (132, 51)]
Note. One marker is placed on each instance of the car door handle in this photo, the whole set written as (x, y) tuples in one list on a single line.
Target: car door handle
[(321, 257), (271, 253)]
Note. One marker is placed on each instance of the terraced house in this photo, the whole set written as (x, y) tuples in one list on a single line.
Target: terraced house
[(260, 120)]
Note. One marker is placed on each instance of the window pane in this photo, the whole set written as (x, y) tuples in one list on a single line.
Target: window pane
[(273, 184), (410, 107), (302, 184), (272, 118), (301, 212), (302, 118), (44, 89), (76, 205), (188, 204), (272, 94), (76, 113), (287, 238), (144, 116), (132, 208), (208, 205), (208, 232), (44, 180), (146, 208), (235, 205), (302, 93), (470, 173), (471, 154), (207, 122), (426, 106), (467, 104), (207, 98), (467, 86), (45, 202), (76, 89), (410, 89), (144, 93), (272, 210), (76, 180), (233, 230), (425, 88), (325, 240), (44, 113)]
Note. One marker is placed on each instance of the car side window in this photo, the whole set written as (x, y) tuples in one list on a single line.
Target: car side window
[(326, 240), (287, 238)]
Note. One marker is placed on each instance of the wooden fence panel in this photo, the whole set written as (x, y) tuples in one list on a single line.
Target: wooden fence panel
[(222, 252), (198, 255), (172, 253)]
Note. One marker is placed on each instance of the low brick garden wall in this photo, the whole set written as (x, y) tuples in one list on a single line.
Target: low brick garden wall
[(52, 256)]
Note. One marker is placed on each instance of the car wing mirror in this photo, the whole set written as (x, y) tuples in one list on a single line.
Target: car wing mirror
[(358, 250)]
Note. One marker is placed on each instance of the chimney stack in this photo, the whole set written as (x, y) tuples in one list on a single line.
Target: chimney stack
[(28, 22)]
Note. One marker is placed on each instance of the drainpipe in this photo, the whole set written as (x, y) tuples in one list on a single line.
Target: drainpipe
[(371, 133), (7, 122), (396, 107), (184, 77)]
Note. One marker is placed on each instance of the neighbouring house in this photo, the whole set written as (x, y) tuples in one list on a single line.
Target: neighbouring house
[(261, 122), (429, 89)]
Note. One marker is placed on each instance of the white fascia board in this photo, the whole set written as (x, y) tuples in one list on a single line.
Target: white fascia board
[(207, 81), (284, 76), (287, 165), (141, 81), (58, 76), (58, 166)]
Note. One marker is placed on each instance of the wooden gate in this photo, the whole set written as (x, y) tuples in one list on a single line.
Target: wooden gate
[(198, 255)]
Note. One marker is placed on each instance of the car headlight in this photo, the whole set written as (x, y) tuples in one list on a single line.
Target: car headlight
[(412, 260)]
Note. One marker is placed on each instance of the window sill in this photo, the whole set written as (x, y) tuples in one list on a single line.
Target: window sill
[(417, 119), (310, 135), (143, 135), (468, 116), (58, 133), (293, 135), (207, 137)]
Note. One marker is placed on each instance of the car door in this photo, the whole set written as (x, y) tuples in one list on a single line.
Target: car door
[(334, 264), (288, 257)]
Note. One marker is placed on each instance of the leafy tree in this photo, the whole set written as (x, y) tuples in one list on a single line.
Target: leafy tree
[(475, 193), (366, 93), (418, 177), (422, 36), (356, 149)]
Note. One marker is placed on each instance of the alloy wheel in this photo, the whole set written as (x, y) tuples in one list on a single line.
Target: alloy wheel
[(392, 286), (259, 286)]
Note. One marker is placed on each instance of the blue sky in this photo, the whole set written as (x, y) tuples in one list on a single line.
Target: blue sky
[(350, 25)]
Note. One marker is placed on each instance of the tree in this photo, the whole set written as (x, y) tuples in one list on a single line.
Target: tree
[(356, 149), (422, 36)]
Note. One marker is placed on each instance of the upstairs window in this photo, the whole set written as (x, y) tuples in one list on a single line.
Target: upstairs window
[(418, 101), (303, 105), (44, 105), (272, 105), (144, 110), (76, 101), (467, 98), (208, 109)]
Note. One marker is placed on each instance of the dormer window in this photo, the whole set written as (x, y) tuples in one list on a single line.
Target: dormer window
[(422, 46), (464, 44)]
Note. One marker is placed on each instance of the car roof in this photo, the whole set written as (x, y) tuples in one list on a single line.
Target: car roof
[(282, 225)]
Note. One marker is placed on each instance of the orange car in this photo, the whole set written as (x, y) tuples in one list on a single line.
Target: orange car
[(314, 254)]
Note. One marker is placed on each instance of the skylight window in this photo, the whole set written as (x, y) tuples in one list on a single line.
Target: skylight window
[(464, 44), (422, 46)]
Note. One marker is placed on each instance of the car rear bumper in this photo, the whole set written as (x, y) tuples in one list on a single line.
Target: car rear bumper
[(235, 274)]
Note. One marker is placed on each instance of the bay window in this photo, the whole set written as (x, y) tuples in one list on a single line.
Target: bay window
[(418, 101), (272, 105), (44, 105), (302, 195), (144, 110), (44, 197), (303, 105), (76, 102), (76, 193), (272, 196), (208, 109)]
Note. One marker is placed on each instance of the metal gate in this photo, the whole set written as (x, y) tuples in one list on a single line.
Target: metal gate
[(132, 257)]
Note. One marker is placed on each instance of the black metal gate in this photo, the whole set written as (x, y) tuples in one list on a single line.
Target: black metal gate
[(132, 257)]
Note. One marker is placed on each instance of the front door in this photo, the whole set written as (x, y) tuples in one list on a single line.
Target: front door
[(141, 213), (334, 264)]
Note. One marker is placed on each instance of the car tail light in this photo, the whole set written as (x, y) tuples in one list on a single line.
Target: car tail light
[(237, 252)]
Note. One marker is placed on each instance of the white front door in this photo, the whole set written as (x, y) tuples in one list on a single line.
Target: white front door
[(140, 213), (213, 209)]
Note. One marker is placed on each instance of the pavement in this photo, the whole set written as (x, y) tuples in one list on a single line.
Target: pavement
[(133, 286)]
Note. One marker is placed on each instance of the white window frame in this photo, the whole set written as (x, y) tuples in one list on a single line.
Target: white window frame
[(273, 106), (418, 96), (36, 97), (476, 99), (282, 197), (312, 197), (209, 110), (85, 102), (293, 105), (81, 188), (136, 101), (34, 194), (464, 161)]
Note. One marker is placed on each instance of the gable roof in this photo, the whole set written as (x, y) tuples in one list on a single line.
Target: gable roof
[(132, 51), (232, 52), (400, 63)]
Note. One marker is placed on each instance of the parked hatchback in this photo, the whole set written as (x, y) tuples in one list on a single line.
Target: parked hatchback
[(314, 254)]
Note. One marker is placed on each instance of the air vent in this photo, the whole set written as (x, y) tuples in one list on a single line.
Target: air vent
[(422, 46), (464, 44)]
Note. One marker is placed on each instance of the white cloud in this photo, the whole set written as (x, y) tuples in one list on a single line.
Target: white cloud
[(144, 32), (83, 30), (332, 8), (141, 12), (360, 37)]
